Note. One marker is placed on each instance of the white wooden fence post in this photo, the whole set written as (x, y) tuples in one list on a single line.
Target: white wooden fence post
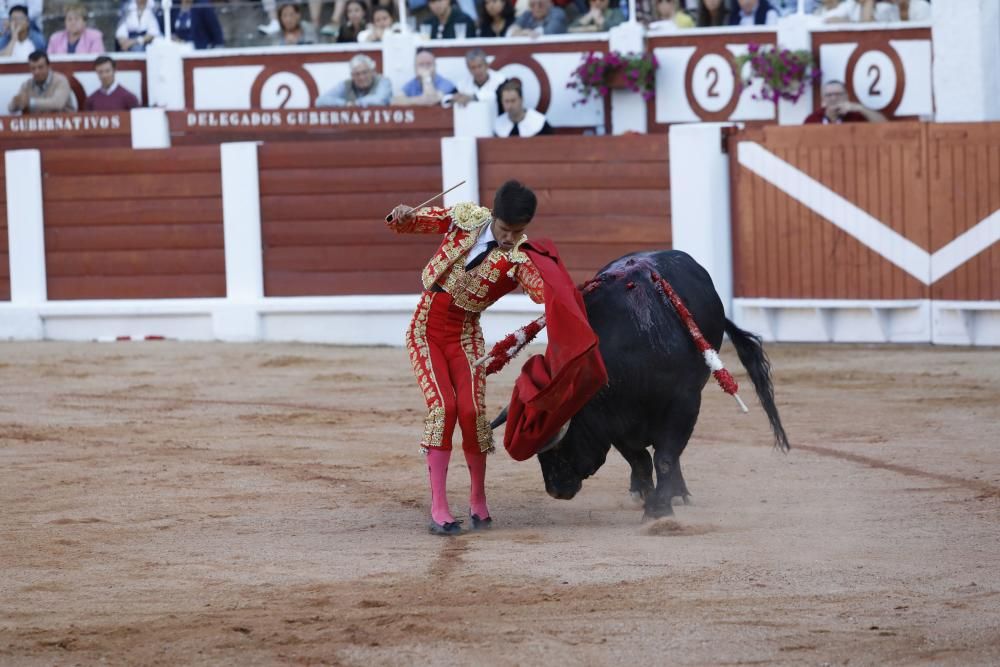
[(25, 246)]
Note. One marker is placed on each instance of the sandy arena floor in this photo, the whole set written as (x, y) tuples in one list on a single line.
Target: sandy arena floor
[(265, 504)]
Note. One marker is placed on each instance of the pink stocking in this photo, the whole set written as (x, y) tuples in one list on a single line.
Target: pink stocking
[(437, 465), (477, 478)]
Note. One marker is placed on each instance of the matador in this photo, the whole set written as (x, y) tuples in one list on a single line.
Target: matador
[(479, 261)]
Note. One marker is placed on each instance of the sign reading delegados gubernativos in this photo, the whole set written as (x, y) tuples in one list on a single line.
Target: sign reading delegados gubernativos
[(314, 118), (83, 123)]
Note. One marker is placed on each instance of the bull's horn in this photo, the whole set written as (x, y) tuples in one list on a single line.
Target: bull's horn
[(500, 420), (556, 439)]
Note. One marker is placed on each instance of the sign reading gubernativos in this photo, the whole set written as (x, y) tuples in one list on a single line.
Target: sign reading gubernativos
[(352, 119), (77, 124)]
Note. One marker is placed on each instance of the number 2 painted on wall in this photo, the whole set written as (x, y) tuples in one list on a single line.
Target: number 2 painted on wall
[(287, 90), (712, 72), (872, 90)]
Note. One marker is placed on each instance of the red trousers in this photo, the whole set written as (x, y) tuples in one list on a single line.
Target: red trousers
[(443, 341)]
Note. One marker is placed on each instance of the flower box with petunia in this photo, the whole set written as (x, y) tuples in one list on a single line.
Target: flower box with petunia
[(600, 73), (784, 73)]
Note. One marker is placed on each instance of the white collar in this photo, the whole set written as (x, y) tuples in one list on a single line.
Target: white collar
[(112, 89), (530, 125), (487, 234)]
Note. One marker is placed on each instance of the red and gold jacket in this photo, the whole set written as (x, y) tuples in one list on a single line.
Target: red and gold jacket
[(475, 291)]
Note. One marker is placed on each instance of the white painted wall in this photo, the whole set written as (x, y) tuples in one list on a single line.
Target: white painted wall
[(966, 37), (699, 201)]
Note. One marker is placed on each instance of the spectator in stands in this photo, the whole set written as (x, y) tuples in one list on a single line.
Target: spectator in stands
[(712, 13), (837, 108), (820, 7), (365, 88), (195, 22), (20, 40), (516, 121), (77, 37), (496, 18), (851, 11), (46, 91), (383, 22), (331, 29), (663, 15), (138, 26), (481, 83), (427, 87), (903, 10), (786, 7), (447, 21), (753, 12), (34, 12), (110, 96), (357, 21), (272, 27), (540, 19), (600, 18), (294, 31)]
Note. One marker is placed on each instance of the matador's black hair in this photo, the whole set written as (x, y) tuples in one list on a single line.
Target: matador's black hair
[(514, 203)]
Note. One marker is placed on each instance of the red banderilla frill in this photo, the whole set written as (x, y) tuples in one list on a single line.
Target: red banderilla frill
[(712, 360), (510, 345)]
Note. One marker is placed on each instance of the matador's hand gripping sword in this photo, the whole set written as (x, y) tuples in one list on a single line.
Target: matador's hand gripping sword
[(388, 218)]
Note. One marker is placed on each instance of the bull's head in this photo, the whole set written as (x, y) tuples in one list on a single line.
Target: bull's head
[(558, 467), (564, 464)]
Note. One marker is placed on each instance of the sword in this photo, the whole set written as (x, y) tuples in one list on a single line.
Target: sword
[(388, 218)]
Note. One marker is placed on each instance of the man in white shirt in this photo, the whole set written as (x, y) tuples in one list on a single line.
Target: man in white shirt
[(34, 11), (903, 10), (867, 11), (481, 84), (754, 12), (19, 40), (851, 11)]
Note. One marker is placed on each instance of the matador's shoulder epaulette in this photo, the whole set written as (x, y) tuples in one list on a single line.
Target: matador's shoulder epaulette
[(469, 216)]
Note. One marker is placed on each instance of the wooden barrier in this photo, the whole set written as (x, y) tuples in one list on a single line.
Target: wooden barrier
[(4, 258), (598, 197), (86, 129), (322, 211), (964, 189), (133, 224), (866, 212), (191, 127)]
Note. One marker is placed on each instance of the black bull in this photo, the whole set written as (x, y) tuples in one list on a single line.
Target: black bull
[(656, 376)]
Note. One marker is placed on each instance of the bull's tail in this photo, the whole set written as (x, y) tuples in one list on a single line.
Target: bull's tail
[(754, 359)]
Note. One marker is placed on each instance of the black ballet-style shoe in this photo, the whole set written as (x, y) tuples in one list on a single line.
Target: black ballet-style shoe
[(449, 528), (480, 524)]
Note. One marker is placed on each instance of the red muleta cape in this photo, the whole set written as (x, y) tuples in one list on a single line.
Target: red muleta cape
[(554, 386)]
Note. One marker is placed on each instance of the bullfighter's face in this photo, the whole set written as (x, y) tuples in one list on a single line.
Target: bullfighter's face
[(506, 234)]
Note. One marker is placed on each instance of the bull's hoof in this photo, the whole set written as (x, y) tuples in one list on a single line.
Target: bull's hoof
[(653, 513), (481, 524), (448, 529), (639, 496)]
